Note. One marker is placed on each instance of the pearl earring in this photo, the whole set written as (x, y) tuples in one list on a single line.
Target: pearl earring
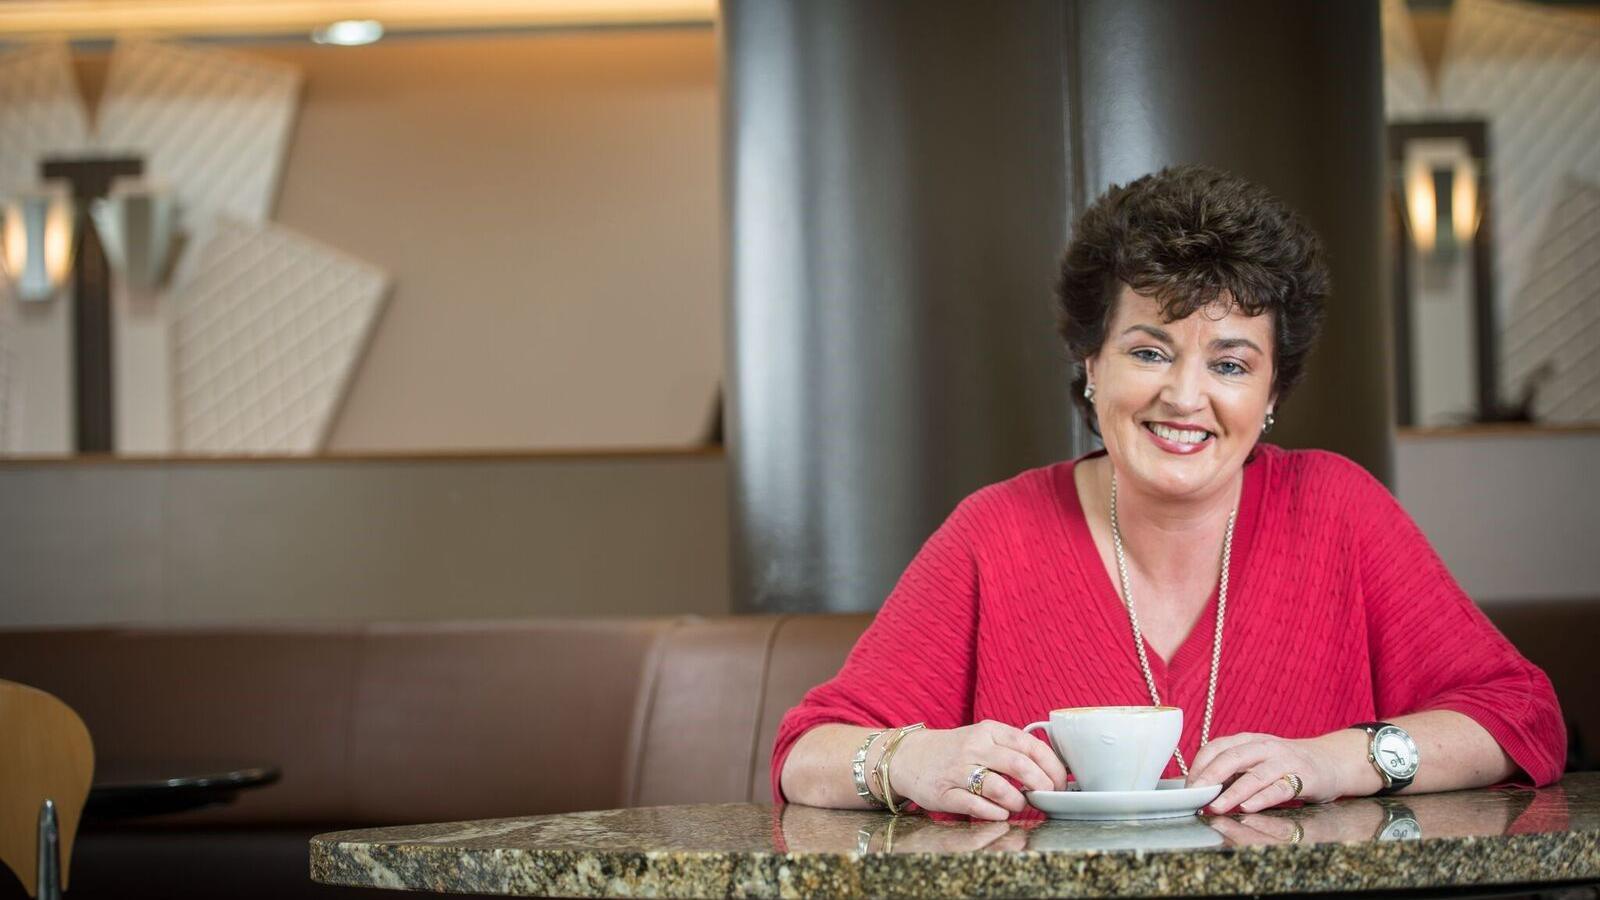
[(1268, 426), (1088, 391)]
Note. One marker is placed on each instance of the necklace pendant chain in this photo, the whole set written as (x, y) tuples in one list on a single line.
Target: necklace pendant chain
[(1138, 636)]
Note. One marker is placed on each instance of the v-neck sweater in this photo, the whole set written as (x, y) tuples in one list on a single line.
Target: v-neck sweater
[(1339, 612)]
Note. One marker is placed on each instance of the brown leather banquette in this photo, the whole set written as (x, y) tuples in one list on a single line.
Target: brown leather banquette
[(401, 723)]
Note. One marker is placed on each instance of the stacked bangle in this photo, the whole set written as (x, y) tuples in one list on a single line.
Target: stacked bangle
[(858, 771), (895, 805)]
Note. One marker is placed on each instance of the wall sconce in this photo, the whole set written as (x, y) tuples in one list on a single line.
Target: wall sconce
[(1446, 335), (36, 242), (1441, 189), (136, 222)]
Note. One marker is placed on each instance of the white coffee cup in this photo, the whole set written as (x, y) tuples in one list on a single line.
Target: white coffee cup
[(1114, 748)]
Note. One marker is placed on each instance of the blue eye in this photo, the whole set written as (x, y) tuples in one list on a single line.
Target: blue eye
[(1232, 368), (1153, 355)]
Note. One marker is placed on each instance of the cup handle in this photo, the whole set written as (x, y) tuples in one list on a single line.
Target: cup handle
[(1046, 726)]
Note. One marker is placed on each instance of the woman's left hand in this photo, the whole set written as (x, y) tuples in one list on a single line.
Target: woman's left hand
[(1256, 764)]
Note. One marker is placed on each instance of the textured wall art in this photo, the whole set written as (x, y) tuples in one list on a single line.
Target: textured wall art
[(1558, 311), (1407, 92), (213, 124), (1535, 76), (41, 115), (266, 334), (252, 347), (40, 112)]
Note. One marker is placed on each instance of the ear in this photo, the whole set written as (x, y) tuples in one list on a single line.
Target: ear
[(1088, 366), (1272, 402)]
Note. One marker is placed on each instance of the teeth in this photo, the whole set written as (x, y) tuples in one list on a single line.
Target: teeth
[(1182, 437)]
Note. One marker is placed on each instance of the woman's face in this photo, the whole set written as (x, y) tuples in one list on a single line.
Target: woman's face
[(1181, 404)]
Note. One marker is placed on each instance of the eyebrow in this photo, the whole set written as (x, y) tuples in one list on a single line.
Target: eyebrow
[(1218, 344)]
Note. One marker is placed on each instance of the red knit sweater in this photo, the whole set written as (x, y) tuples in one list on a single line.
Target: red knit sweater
[(1339, 612)]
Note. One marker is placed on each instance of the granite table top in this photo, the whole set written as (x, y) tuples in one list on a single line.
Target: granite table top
[(1495, 836)]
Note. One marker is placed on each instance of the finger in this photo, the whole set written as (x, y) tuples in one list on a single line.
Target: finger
[(1019, 766), (952, 837), (1041, 753), (1247, 785), (1279, 791), (1014, 840), (1238, 834), (1209, 752), (1279, 829), (996, 789), (963, 801), (1231, 762), (980, 836)]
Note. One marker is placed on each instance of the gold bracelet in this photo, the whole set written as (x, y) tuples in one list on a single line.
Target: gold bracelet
[(896, 805), (858, 772)]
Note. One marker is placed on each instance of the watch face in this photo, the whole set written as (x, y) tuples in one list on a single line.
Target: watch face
[(1395, 752)]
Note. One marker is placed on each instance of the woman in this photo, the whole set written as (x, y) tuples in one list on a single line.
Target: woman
[(1281, 597)]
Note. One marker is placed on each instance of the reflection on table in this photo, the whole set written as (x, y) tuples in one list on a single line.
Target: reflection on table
[(1467, 839)]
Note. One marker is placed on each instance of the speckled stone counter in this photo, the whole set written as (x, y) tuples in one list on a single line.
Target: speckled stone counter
[(1470, 838)]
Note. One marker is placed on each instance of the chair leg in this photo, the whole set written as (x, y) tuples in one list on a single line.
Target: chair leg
[(49, 887)]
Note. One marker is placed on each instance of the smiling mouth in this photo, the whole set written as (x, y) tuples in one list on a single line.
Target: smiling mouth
[(1177, 435)]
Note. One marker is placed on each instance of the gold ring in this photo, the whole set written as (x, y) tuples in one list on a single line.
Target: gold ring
[(975, 780), (1299, 833), (1295, 784)]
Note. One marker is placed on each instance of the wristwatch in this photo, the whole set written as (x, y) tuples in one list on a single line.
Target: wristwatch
[(1392, 752)]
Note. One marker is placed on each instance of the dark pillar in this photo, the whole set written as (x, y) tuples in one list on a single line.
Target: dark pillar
[(1286, 94), (896, 204), (899, 177)]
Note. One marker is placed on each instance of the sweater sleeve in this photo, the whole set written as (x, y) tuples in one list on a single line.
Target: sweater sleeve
[(1432, 648), (914, 663)]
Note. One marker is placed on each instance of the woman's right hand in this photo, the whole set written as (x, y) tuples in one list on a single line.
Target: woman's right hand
[(931, 768)]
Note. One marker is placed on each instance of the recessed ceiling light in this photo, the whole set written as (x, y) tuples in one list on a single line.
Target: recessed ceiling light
[(349, 32)]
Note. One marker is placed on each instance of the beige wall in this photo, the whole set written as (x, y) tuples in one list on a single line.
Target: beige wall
[(1513, 513), (174, 542), (548, 205)]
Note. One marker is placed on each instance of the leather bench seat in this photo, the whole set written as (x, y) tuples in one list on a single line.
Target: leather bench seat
[(376, 724)]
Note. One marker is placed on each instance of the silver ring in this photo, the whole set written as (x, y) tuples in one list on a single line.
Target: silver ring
[(1295, 784), (975, 780)]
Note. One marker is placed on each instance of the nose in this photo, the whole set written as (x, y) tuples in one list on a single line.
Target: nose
[(1185, 388)]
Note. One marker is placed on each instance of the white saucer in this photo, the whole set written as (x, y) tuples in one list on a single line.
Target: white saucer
[(1170, 800)]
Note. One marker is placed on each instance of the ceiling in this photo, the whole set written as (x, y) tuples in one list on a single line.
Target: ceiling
[(101, 19)]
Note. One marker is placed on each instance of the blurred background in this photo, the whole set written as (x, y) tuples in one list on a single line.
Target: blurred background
[(447, 309)]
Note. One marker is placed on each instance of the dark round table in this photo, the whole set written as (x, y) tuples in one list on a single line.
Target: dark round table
[(124, 790)]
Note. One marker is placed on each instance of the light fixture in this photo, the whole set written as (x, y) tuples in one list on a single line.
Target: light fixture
[(36, 241), (1443, 208), (1423, 205), (349, 32), (136, 222)]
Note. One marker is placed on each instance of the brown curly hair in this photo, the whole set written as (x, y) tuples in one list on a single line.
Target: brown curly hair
[(1186, 237)]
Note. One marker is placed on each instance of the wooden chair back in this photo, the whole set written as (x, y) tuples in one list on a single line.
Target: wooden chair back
[(45, 752)]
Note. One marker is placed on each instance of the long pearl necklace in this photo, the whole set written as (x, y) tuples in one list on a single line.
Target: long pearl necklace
[(1138, 637)]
